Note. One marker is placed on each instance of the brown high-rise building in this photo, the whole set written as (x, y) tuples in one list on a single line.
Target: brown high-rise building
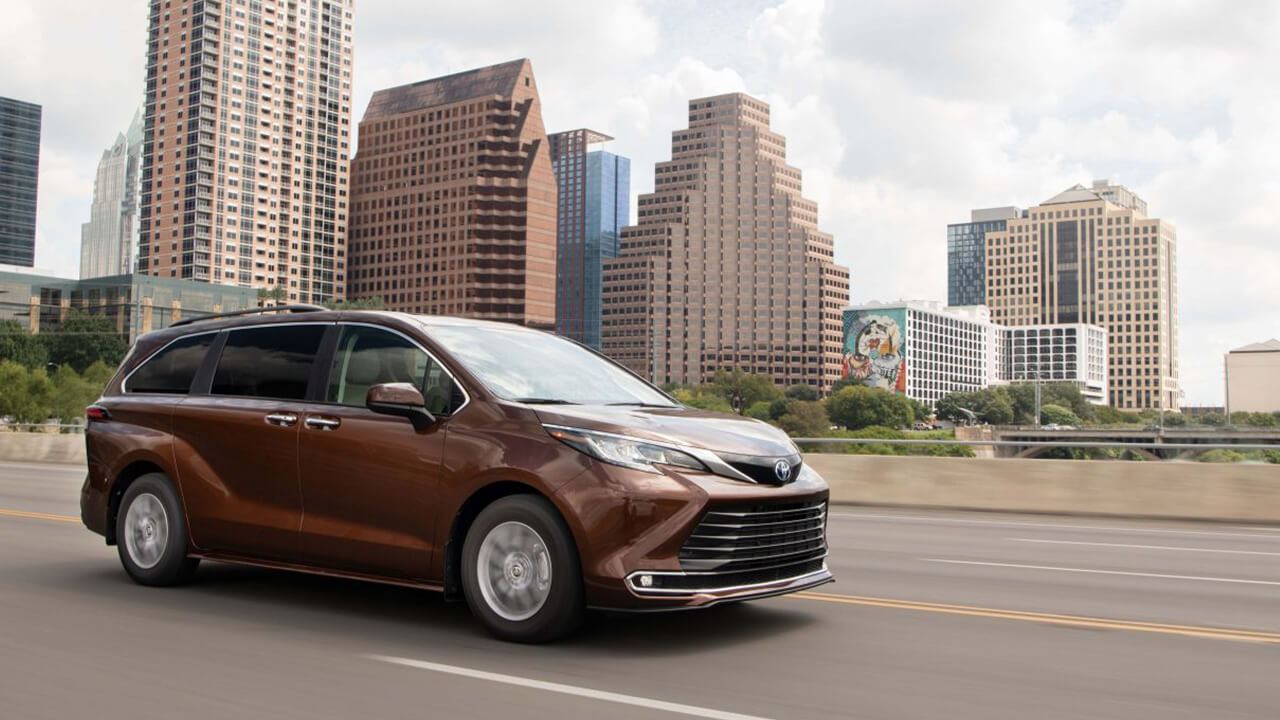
[(454, 200), (1091, 255), (247, 134), (726, 268)]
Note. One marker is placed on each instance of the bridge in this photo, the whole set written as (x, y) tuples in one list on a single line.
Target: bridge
[(1169, 443)]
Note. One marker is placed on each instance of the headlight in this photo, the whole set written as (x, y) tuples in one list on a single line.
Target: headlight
[(625, 451)]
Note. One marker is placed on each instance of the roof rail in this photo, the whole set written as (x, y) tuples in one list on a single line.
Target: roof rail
[(252, 311)]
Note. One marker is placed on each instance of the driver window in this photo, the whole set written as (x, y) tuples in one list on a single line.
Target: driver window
[(369, 356)]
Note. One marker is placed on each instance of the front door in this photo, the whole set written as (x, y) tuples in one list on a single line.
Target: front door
[(369, 481)]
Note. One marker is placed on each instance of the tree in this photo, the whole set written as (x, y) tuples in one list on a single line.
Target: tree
[(702, 399), (369, 303), (1107, 415), (81, 339), (920, 412), (742, 390), (993, 406), (98, 375), (858, 406), (20, 346), (842, 383), (805, 418), (27, 393), (1058, 415), (802, 392), (276, 294), (69, 395), (759, 411), (778, 408)]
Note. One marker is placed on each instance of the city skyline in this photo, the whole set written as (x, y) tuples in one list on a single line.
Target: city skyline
[(881, 133)]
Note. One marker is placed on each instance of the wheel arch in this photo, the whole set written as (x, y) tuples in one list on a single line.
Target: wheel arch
[(120, 484)]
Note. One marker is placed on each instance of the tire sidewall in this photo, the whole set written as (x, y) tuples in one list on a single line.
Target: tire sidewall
[(563, 609), (173, 563)]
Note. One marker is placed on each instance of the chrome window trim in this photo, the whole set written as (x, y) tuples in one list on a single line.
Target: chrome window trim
[(466, 396), (706, 457), (124, 384), (634, 588)]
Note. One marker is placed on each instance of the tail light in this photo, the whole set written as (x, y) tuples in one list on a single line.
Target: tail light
[(97, 412)]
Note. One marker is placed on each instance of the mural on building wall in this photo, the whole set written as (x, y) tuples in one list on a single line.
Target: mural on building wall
[(874, 351)]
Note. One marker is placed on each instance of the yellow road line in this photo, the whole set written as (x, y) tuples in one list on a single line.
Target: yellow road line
[(39, 516), (1047, 618), (970, 610)]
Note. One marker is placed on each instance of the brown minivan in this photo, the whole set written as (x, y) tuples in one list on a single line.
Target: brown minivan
[(515, 469)]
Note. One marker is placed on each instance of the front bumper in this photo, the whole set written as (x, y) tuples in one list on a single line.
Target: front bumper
[(645, 543)]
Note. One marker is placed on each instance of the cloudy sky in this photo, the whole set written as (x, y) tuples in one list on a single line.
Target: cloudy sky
[(902, 114)]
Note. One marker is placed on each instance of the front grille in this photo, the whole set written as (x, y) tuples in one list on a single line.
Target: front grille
[(762, 469), (772, 540)]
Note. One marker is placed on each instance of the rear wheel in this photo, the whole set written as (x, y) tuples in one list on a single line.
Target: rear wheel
[(151, 533), (520, 571)]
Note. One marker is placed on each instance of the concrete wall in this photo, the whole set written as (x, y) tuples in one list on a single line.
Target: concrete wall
[(1220, 491), (42, 447)]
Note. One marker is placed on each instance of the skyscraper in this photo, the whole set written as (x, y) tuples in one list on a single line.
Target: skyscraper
[(247, 131), (726, 267), (19, 172), (966, 255), (454, 200), (1091, 255), (594, 205), (109, 241)]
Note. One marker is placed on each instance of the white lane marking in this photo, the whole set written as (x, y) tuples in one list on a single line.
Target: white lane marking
[(567, 689), (1050, 526), (1104, 572), (1142, 547)]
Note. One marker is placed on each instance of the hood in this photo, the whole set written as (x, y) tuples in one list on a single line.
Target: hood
[(718, 432)]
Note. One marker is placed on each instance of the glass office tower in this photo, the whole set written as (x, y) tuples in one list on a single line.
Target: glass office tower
[(593, 205), (19, 170), (966, 255)]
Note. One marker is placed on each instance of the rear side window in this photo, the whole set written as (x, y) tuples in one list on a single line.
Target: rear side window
[(268, 362), (172, 369)]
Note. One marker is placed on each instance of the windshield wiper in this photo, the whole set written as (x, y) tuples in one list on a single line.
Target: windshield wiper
[(639, 404), (543, 401)]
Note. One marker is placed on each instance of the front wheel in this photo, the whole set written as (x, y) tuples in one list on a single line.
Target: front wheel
[(151, 533), (520, 571)]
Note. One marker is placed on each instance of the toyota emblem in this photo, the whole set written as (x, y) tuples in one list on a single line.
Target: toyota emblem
[(782, 471)]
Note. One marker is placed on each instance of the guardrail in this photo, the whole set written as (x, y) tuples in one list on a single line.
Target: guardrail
[(1180, 450)]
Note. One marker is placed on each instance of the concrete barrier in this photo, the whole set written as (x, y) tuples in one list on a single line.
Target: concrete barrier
[(1188, 490), (42, 447)]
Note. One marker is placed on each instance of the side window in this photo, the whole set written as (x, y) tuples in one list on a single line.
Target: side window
[(268, 362), (368, 356), (172, 369)]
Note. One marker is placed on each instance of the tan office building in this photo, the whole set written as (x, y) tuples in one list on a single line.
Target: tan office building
[(1253, 378), (1091, 255), (247, 135), (726, 267), (454, 200)]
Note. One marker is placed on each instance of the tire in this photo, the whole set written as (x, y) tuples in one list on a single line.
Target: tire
[(151, 533), (520, 571)]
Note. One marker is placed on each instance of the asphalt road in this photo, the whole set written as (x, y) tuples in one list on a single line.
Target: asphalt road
[(934, 615)]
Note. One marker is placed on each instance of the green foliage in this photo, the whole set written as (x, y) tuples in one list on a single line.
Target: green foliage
[(993, 406), (843, 383), (27, 393), (1067, 395), (805, 418), (81, 340), (31, 395), (369, 303), (1220, 456), (701, 399), (802, 392), (859, 406), (920, 412), (759, 411), (778, 408), (1107, 415), (1174, 419), (1212, 418), (741, 390), (1255, 419), (1057, 414), (20, 346), (880, 432)]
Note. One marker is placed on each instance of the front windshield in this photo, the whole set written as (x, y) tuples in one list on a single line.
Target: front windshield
[(537, 367)]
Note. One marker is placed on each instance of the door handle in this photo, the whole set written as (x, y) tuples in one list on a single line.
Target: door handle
[(283, 419), (322, 423)]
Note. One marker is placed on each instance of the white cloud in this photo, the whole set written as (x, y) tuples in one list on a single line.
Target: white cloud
[(902, 114)]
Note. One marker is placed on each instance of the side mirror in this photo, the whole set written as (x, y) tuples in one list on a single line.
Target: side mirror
[(400, 399)]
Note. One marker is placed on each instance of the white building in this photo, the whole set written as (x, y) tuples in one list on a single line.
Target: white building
[(1074, 353), (1252, 371), (926, 350), (109, 241)]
